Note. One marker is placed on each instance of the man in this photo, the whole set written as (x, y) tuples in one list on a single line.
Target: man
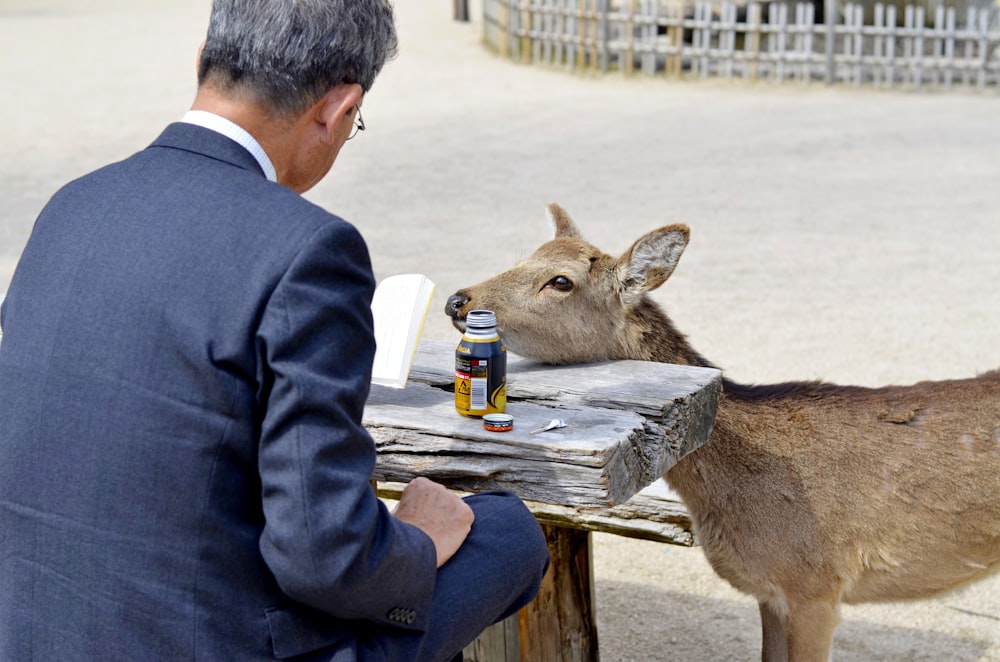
[(186, 355)]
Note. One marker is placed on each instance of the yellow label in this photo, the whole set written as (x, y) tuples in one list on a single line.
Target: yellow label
[(498, 399), (463, 391)]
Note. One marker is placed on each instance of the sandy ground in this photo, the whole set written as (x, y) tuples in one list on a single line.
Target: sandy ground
[(849, 235)]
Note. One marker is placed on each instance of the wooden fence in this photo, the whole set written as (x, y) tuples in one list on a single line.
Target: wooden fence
[(880, 45)]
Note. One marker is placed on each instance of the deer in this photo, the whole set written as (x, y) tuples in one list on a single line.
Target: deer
[(807, 494)]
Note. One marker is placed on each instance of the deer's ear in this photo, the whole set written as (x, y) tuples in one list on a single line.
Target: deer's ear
[(650, 261), (565, 227)]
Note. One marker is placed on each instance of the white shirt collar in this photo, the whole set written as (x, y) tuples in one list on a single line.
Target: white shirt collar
[(235, 132)]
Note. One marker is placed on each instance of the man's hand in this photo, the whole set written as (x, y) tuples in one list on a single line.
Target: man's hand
[(437, 512)]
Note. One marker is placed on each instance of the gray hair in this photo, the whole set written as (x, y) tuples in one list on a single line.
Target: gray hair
[(289, 53)]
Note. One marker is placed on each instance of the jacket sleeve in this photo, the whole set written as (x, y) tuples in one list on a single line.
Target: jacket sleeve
[(328, 540)]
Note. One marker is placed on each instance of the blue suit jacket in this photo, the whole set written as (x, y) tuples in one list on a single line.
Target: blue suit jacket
[(183, 472)]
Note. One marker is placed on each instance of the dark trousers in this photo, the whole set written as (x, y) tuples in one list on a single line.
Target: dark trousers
[(497, 571)]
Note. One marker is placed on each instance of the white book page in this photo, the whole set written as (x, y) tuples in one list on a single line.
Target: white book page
[(399, 308)]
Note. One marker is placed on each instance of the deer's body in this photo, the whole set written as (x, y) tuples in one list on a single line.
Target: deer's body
[(807, 494)]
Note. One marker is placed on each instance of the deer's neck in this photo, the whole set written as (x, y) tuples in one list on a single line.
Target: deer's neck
[(694, 476), (658, 340)]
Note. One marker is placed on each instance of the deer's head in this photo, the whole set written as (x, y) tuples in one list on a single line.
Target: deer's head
[(569, 302)]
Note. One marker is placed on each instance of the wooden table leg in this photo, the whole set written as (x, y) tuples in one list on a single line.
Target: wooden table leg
[(560, 624)]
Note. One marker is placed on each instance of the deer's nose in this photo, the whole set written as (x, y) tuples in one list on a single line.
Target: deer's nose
[(454, 305)]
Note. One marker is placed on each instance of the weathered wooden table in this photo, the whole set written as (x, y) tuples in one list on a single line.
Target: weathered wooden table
[(627, 423)]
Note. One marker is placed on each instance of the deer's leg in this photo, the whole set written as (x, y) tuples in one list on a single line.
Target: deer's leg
[(810, 627), (775, 640)]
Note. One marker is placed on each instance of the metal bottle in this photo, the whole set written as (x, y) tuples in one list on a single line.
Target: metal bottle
[(480, 367)]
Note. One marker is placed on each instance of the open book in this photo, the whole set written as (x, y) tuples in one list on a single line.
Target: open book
[(399, 308)]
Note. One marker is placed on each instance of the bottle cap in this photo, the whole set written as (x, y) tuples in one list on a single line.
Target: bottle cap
[(498, 422), (480, 319)]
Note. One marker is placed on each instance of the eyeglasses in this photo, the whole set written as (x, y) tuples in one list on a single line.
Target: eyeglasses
[(359, 123)]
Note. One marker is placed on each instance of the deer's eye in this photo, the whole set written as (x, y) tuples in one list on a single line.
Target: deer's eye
[(560, 283)]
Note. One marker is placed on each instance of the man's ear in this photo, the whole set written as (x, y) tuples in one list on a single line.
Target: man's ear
[(334, 112), (197, 62)]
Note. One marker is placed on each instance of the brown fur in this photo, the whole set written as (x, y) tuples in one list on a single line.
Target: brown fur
[(808, 494)]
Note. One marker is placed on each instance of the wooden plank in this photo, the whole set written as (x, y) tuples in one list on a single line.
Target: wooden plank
[(891, 45), (949, 48), (674, 65), (728, 37), (627, 423), (592, 461), (751, 44), (831, 9), (655, 513), (778, 18)]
